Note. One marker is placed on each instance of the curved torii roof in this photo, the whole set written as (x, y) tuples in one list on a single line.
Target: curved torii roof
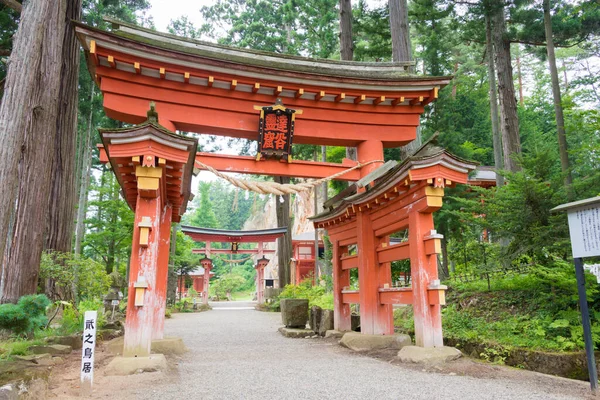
[(207, 88), (230, 236)]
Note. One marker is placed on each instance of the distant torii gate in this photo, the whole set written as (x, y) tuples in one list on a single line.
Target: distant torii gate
[(206, 88), (260, 237)]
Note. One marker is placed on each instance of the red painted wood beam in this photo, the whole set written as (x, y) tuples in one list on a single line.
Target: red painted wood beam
[(349, 262), (393, 253), (228, 251), (396, 296), (351, 297), (299, 169)]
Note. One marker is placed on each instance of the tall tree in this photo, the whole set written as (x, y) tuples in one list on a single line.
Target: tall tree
[(44, 29), (511, 141), (284, 244), (346, 43), (496, 136), (401, 46), (61, 207), (558, 109)]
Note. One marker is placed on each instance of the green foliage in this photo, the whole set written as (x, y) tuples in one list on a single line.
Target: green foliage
[(227, 284), (72, 320), (316, 295), (67, 269), (26, 316)]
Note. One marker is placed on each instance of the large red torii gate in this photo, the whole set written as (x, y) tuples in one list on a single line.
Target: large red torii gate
[(207, 88)]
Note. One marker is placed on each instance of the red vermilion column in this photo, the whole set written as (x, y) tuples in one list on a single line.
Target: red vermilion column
[(260, 279), (428, 318), (375, 319), (384, 322), (366, 151), (162, 273), (207, 265), (143, 271), (342, 320)]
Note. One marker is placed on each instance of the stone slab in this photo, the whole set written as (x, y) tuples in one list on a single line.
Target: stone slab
[(295, 333), (362, 342), (326, 322), (428, 355), (134, 365), (332, 333), (52, 349), (75, 341), (294, 312), (115, 346), (169, 346)]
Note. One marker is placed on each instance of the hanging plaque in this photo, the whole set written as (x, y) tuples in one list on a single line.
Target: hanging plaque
[(276, 131)]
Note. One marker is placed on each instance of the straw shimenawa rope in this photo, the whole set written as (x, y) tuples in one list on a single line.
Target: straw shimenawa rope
[(232, 261), (279, 188)]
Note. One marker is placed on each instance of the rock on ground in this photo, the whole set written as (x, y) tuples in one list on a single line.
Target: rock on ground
[(428, 355), (133, 365), (294, 312), (362, 342), (53, 349), (295, 333)]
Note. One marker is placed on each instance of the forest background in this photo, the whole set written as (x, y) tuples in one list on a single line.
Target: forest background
[(544, 164)]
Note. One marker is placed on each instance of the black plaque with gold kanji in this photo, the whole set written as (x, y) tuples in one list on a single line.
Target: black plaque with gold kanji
[(276, 132)]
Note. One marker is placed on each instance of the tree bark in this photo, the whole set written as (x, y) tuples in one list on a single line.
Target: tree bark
[(284, 244), (346, 46), (520, 77), (558, 110), (401, 47), (496, 138), (61, 207), (35, 88), (85, 181), (511, 142), (401, 52)]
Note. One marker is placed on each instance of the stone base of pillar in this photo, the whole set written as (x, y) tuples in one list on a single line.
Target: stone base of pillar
[(133, 365)]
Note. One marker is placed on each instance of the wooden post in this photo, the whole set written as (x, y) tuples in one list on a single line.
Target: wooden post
[(375, 318), (341, 312), (142, 308), (162, 272), (428, 318), (260, 279), (368, 151), (207, 265)]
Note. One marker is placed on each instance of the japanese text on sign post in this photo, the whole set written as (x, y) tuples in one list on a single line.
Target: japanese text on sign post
[(584, 227), (89, 347)]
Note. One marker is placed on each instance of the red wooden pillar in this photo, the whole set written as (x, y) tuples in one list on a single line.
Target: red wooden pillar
[(162, 272), (369, 150), (207, 265), (423, 266), (341, 278), (146, 294), (375, 318), (260, 279)]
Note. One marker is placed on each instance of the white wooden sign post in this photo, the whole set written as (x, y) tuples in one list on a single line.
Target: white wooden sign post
[(87, 351), (584, 229)]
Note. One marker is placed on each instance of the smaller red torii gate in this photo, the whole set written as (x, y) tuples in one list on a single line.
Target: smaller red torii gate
[(400, 198), (209, 236)]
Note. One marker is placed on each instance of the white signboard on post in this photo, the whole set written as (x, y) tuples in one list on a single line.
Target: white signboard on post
[(87, 351), (584, 228)]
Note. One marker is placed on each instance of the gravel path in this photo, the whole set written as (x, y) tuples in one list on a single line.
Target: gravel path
[(238, 354)]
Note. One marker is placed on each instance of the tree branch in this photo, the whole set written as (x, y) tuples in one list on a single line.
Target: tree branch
[(14, 4)]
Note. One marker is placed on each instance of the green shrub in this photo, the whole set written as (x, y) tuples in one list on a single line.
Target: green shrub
[(316, 295), (72, 320), (27, 315), (12, 317)]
